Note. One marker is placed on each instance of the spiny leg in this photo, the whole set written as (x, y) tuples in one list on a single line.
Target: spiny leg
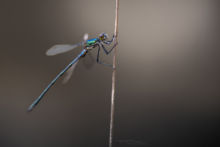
[(106, 51), (98, 61), (110, 41)]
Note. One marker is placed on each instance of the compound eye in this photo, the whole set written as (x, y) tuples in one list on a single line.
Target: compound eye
[(102, 37), (106, 36)]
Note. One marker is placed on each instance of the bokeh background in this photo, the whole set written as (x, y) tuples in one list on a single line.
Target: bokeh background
[(168, 83)]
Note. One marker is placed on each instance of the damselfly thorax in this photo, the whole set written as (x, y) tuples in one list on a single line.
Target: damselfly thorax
[(91, 43)]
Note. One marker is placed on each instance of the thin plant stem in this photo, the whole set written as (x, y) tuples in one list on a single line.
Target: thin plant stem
[(113, 77)]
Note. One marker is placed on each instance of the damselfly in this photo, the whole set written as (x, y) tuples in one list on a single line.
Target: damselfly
[(87, 46)]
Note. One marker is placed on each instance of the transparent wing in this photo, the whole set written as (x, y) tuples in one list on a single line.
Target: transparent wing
[(69, 73), (61, 48), (85, 37)]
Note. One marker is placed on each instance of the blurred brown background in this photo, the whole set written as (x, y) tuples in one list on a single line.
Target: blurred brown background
[(167, 74)]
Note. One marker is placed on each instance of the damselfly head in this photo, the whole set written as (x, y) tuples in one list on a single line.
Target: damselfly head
[(103, 36)]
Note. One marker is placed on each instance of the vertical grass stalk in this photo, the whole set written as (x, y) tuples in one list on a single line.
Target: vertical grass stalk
[(113, 77)]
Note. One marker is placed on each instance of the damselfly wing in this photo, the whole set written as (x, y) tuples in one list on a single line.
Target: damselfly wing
[(61, 48), (70, 71)]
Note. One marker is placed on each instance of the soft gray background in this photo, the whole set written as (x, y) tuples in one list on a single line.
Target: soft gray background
[(168, 83)]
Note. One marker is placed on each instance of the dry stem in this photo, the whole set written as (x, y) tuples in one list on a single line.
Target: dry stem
[(113, 77)]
